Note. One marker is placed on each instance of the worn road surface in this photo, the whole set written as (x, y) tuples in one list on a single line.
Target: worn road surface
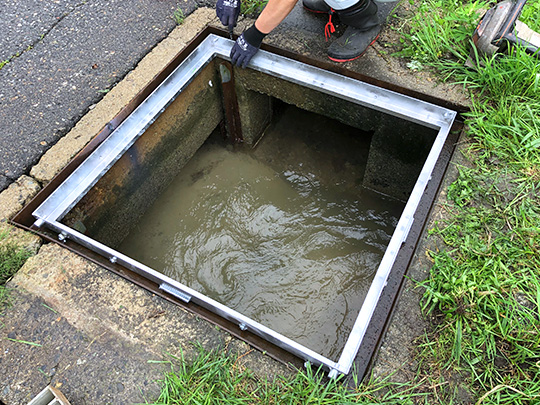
[(59, 57)]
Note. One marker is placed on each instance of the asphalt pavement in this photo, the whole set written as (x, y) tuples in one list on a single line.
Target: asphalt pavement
[(59, 58)]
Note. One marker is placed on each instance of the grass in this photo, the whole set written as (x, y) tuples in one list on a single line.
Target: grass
[(12, 257), (217, 378), (24, 342), (179, 16), (252, 7), (484, 287), (5, 62), (531, 15)]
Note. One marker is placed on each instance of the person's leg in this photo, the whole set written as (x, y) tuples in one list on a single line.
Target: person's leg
[(352, 44), (362, 31)]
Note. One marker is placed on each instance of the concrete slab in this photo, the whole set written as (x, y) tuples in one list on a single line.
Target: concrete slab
[(303, 32), (17, 195)]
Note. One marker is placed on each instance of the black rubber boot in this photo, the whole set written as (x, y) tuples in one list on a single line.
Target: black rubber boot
[(316, 6), (353, 43), (363, 15), (362, 31)]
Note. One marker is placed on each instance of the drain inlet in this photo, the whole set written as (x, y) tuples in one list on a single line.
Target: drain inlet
[(429, 115)]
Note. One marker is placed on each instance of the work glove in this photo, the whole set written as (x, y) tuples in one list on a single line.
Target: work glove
[(227, 12), (246, 46)]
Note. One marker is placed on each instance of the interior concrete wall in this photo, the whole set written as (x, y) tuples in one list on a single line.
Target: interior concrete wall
[(112, 207), (398, 150)]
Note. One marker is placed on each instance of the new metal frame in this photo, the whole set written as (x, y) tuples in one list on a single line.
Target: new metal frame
[(66, 196)]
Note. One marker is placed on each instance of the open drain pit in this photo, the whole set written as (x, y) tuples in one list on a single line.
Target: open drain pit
[(282, 234), (292, 231)]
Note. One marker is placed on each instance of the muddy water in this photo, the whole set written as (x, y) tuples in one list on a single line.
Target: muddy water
[(283, 234)]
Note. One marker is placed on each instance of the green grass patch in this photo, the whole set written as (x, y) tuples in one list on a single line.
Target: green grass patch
[(440, 31), (178, 16), (4, 298), (252, 8), (217, 378), (12, 257), (531, 15), (484, 287)]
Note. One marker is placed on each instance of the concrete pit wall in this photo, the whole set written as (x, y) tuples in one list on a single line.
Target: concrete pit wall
[(397, 154), (398, 149), (113, 206)]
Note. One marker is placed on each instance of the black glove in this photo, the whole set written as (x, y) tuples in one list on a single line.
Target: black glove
[(246, 46), (227, 12)]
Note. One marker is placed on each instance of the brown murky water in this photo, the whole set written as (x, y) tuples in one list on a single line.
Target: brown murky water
[(284, 234)]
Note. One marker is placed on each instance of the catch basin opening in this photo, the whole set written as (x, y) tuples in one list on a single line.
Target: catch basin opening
[(290, 226), (283, 233)]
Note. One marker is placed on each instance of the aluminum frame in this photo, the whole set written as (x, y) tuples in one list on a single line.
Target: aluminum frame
[(66, 196)]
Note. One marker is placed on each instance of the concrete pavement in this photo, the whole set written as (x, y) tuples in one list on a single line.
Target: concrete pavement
[(70, 53)]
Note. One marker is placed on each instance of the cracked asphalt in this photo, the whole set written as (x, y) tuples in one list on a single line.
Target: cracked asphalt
[(62, 57)]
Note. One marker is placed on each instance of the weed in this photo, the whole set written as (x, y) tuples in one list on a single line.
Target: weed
[(531, 15), (5, 298), (441, 30), (4, 63), (12, 258), (48, 307), (217, 378), (252, 7), (516, 75), (24, 342), (179, 16)]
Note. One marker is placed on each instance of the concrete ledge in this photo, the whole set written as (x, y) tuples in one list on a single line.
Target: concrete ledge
[(16, 196)]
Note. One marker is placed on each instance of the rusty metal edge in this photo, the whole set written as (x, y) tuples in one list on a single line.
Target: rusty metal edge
[(230, 105), (375, 332)]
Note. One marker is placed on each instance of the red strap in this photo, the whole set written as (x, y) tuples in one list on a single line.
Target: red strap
[(329, 28)]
